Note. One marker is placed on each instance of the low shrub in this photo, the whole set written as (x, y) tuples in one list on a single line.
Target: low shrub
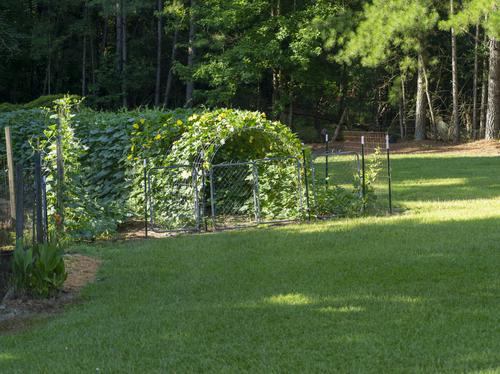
[(41, 102), (349, 201), (38, 271)]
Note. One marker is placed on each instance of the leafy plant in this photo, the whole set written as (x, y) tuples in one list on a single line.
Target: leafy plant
[(372, 173), (104, 152), (49, 272), (22, 269), (38, 271)]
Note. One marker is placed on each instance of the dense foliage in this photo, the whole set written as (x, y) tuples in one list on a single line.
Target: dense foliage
[(38, 271), (312, 64), (104, 151)]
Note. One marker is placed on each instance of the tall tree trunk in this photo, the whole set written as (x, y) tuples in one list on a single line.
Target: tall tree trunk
[(484, 92), (119, 32), (104, 44), (191, 55), (92, 62), (124, 56), (484, 95), (275, 94), (420, 112), (342, 121), (121, 48), (49, 76), (454, 73), (290, 105), (159, 52), (493, 112), (84, 66), (276, 72), (401, 120), (170, 75), (429, 99), (474, 86), (402, 109)]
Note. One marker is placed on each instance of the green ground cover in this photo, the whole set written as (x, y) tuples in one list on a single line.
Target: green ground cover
[(416, 292)]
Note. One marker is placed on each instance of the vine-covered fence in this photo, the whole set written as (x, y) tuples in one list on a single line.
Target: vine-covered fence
[(184, 170), (205, 196)]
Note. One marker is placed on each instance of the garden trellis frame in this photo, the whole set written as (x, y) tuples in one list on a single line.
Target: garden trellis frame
[(228, 195)]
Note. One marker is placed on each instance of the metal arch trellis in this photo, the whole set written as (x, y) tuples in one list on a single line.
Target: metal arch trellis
[(176, 191), (218, 142), (239, 172)]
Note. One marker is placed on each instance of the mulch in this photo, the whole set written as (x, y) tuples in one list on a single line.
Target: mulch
[(476, 148), (19, 313)]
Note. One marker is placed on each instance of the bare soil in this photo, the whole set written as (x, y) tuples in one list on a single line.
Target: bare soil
[(20, 313), (477, 148)]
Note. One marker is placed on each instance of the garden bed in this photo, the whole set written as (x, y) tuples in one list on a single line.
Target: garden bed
[(5, 257), (16, 314)]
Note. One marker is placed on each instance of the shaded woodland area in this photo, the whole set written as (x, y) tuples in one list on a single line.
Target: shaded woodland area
[(416, 68)]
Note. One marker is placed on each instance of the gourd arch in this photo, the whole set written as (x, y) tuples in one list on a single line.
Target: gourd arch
[(240, 135), (227, 136)]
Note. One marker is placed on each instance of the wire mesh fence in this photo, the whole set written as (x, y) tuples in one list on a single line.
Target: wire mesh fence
[(23, 211), (336, 183), (280, 190), (261, 191), (378, 179), (242, 194), (172, 194), (234, 195)]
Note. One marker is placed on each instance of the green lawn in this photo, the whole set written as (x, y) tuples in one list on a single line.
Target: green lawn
[(418, 292)]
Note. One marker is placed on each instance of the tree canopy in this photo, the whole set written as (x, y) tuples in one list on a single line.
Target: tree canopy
[(370, 64)]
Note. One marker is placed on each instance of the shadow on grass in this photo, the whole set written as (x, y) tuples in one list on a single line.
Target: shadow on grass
[(426, 178), (395, 294)]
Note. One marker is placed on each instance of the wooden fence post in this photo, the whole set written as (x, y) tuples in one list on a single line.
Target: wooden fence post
[(10, 166)]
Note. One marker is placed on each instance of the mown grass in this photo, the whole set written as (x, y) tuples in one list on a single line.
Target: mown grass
[(417, 292)]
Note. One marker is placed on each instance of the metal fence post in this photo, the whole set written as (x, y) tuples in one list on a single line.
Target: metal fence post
[(326, 159), (212, 197), (145, 165), (194, 182), (19, 191), (389, 171), (203, 199), (38, 218), (256, 200), (44, 205), (306, 180), (60, 191), (299, 187), (363, 167)]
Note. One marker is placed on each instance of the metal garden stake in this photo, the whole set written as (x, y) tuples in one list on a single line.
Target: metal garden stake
[(389, 172)]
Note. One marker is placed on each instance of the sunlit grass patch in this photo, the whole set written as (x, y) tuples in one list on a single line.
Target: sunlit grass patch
[(415, 292), (289, 299)]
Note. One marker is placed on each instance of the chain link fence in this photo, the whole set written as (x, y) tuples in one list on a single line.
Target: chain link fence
[(234, 195), (283, 189), (256, 192), (173, 198), (280, 190)]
